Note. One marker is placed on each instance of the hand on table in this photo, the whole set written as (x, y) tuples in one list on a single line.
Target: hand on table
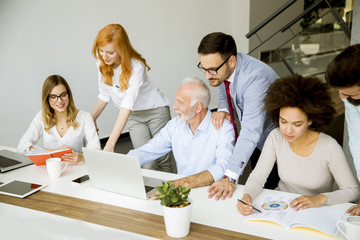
[(243, 208), (73, 158), (304, 202), (354, 210), (217, 118), (221, 189)]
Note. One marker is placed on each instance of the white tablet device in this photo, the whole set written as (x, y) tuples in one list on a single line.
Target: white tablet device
[(19, 189)]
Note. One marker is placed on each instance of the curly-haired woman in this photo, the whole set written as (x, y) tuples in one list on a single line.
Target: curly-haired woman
[(308, 161)]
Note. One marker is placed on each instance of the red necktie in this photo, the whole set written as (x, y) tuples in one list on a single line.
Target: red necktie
[(227, 88)]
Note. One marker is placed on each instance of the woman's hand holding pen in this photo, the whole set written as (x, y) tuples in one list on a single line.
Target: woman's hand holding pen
[(304, 202), (243, 208)]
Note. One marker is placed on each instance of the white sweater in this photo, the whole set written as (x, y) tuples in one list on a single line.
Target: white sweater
[(84, 135)]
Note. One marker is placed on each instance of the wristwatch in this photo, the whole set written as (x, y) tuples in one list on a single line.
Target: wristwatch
[(230, 180)]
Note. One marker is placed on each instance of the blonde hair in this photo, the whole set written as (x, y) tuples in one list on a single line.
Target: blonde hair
[(47, 112), (116, 34)]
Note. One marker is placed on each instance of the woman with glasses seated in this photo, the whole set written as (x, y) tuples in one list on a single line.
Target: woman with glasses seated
[(60, 123), (308, 161), (122, 79)]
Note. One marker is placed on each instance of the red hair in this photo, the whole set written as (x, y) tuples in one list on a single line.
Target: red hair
[(116, 34)]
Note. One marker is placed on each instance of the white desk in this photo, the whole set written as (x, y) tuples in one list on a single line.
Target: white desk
[(23, 223), (221, 214)]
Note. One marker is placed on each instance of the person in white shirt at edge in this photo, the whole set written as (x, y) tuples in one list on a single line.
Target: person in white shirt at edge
[(247, 80), (60, 123), (343, 73), (308, 161), (122, 78), (201, 151)]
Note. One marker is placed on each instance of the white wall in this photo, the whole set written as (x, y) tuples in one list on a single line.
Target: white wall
[(39, 38)]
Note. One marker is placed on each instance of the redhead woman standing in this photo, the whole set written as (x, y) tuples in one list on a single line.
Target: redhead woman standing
[(122, 78)]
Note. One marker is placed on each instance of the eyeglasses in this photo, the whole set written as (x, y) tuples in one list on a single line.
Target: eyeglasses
[(55, 98), (212, 71)]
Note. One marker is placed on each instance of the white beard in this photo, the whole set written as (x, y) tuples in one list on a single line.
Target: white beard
[(187, 117)]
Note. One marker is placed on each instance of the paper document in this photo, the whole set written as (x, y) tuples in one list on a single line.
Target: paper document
[(276, 208)]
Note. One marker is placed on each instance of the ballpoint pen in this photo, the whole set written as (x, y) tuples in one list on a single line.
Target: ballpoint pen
[(244, 202)]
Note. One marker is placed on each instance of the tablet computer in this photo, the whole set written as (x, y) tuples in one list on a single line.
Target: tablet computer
[(19, 189)]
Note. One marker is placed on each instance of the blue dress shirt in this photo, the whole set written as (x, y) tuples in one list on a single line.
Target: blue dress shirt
[(207, 149), (248, 85), (352, 116)]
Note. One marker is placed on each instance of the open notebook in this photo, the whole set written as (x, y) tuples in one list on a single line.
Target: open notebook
[(276, 208)]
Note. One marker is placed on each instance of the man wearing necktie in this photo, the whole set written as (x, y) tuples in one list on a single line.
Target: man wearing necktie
[(243, 82)]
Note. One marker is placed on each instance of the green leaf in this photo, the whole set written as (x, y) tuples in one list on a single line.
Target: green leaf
[(163, 201), (187, 190), (172, 196), (166, 186)]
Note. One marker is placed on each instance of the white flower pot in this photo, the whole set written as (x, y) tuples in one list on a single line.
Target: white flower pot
[(177, 221)]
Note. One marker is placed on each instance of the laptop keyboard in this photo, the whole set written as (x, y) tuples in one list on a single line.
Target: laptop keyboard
[(7, 162)]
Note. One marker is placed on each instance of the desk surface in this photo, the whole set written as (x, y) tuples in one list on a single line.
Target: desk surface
[(215, 219), (32, 224)]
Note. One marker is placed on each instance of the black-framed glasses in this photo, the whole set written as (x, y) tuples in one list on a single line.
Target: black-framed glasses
[(55, 98), (212, 71)]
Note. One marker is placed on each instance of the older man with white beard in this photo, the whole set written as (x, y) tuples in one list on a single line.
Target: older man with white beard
[(201, 151)]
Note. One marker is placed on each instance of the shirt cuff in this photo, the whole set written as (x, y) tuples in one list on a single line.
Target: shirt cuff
[(104, 98), (231, 174), (223, 110), (217, 172)]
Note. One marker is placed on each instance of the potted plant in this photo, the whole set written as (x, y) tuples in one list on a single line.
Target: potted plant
[(177, 208)]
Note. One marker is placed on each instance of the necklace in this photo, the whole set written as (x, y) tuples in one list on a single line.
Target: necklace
[(62, 127)]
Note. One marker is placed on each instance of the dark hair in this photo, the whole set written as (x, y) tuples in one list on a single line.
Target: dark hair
[(218, 42), (344, 70), (309, 94)]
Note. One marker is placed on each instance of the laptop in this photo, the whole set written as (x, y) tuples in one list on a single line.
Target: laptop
[(118, 173), (10, 160)]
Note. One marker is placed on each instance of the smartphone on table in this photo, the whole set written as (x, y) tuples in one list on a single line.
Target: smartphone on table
[(81, 179)]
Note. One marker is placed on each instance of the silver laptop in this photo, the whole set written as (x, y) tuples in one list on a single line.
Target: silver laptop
[(118, 173), (10, 160)]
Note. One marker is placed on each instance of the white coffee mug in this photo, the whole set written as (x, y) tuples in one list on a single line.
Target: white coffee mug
[(55, 167), (352, 227)]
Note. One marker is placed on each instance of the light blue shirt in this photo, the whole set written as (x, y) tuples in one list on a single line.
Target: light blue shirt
[(207, 149), (248, 85), (352, 116)]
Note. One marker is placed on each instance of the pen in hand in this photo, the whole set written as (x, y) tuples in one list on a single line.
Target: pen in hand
[(244, 202)]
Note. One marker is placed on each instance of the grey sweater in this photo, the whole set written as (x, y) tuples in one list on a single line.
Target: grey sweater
[(309, 175)]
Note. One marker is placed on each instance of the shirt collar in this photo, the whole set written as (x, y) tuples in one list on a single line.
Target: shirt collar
[(205, 122), (231, 78), (203, 125)]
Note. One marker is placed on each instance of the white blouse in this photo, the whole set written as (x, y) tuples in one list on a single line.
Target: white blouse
[(140, 95), (84, 135)]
